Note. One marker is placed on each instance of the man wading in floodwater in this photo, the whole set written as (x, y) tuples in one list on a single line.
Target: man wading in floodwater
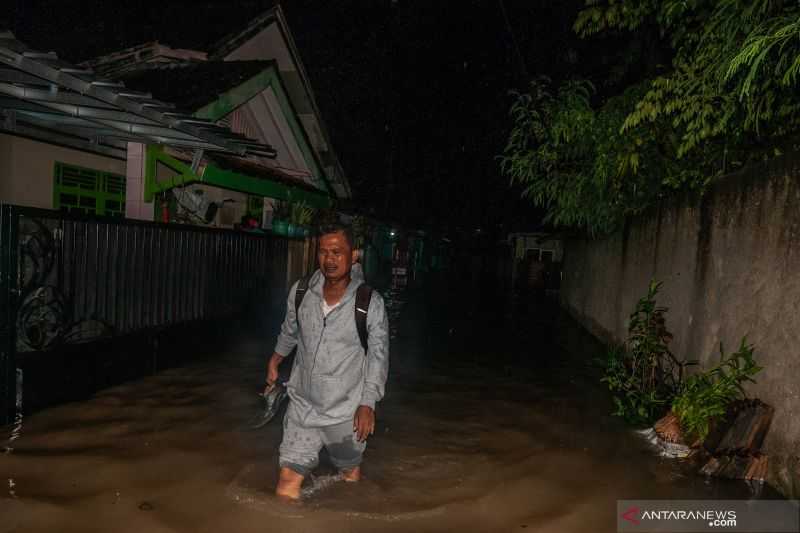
[(334, 385)]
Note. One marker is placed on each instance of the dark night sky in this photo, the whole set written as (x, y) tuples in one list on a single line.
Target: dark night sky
[(415, 93)]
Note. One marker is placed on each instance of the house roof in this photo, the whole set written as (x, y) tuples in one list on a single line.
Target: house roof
[(233, 41), (97, 28), (108, 29), (43, 96), (213, 90), (240, 35), (193, 84), (255, 169)]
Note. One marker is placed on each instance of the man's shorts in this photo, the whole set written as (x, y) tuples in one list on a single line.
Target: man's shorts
[(300, 447)]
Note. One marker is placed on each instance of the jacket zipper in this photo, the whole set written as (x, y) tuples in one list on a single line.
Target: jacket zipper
[(319, 342), (322, 333)]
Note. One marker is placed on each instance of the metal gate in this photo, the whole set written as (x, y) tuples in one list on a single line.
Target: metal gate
[(67, 280)]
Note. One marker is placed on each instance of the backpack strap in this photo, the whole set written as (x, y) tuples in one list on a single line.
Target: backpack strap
[(299, 293), (363, 297)]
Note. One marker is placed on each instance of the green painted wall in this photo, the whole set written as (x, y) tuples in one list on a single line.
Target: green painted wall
[(226, 179)]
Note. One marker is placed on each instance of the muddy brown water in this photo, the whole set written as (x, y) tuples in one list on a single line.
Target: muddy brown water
[(493, 421)]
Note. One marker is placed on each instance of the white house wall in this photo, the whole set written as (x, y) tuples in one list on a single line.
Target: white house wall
[(230, 213), (27, 169)]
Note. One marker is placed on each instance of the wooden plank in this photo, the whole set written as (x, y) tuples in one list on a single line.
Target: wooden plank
[(757, 469), (748, 431), (668, 428), (735, 468), (715, 465)]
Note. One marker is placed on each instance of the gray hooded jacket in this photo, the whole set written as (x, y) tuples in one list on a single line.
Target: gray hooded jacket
[(331, 376)]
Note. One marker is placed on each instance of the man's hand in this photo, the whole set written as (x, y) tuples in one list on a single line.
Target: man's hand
[(272, 370), (364, 422)]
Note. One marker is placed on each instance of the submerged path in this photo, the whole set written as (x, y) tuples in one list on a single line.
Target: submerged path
[(493, 421)]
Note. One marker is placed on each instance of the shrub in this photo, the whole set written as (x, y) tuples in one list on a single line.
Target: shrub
[(642, 374), (708, 394)]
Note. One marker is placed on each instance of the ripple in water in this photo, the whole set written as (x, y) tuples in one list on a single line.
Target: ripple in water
[(16, 429), (319, 483)]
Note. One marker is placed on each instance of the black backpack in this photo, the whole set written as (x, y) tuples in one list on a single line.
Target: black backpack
[(363, 297)]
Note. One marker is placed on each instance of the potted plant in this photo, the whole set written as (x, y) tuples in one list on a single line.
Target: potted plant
[(300, 218), (280, 218)]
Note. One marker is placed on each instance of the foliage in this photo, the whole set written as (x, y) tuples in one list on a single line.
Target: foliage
[(301, 214), (648, 340), (577, 161), (634, 403), (730, 92), (728, 97), (645, 378), (643, 375), (706, 395)]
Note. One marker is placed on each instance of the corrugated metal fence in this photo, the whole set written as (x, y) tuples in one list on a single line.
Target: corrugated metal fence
[(66, 280)]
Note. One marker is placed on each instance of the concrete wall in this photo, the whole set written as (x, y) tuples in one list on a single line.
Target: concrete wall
[(730, 264), (27, 167)]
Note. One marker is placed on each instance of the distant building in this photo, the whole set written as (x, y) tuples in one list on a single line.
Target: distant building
[(536, 259)]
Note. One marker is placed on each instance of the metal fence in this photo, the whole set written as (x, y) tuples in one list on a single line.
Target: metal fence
[(66, 280)]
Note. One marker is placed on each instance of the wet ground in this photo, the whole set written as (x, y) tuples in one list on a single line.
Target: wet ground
[(493, 421)]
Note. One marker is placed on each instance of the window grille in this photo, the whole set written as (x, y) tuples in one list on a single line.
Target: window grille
[(88, 191)]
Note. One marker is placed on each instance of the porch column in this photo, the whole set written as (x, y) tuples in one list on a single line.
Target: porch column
[(135, 206)]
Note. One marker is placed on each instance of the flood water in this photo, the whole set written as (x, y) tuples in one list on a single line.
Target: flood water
[(493, 421)]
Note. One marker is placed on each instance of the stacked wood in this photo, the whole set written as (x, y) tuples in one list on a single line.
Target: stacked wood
[(720, 425), (714, 465), (748, 431), (737, 467), (732, 448), (668, 428), (735, 442), (758, 468)]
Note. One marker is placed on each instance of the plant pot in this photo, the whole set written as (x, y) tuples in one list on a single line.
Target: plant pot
[(306, 231), (299, 232), (280, 227), (292, 230)]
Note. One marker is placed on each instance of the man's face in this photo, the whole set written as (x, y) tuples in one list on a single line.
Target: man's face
[(335, 256)]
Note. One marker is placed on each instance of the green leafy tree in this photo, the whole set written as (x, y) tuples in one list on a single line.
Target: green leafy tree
[(729, 94), (577, 161), (727, 97)]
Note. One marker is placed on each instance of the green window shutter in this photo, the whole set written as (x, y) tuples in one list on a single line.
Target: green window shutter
[(114, 195), (87, 191)]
